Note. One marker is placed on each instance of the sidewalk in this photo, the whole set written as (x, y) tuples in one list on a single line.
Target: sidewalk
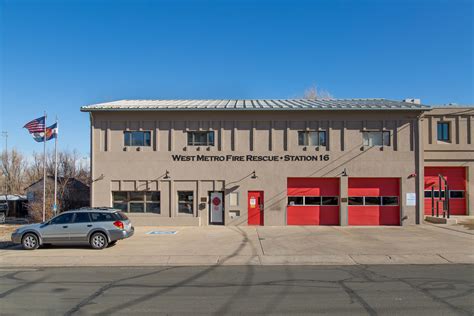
[(291, 245)]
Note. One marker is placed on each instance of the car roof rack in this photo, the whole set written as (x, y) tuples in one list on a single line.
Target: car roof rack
[(98, 208)]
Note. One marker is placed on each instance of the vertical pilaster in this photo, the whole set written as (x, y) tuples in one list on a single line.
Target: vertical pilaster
[(234, 136), (170, 137), (457, 128), (270, 136), (252, 136), (156, 136), (343, 135), (343, 209), (420, 172)]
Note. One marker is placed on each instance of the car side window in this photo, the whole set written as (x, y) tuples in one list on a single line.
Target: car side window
[(102, 217), (62, 219), (82, 217)]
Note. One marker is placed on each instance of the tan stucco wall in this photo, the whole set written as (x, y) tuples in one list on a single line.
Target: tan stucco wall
[(244, 133)]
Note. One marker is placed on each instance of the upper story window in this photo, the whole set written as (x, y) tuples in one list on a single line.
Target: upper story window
[(310, 138), (376, 138), (137, 138), (201, 138), (443, 131)]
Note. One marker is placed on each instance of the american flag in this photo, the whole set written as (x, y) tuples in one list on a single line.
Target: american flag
[(36, 125)]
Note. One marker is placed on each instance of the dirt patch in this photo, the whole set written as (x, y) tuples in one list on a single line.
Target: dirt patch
[(6, 232)]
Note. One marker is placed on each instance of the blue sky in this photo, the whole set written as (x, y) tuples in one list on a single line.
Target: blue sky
[(59, 55)]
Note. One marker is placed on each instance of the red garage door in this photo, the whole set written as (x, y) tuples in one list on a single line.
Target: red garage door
[(456, 177), (374, 201), (313, 201)]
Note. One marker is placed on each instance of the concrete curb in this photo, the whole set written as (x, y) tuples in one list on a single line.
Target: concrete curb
[(214, 260)]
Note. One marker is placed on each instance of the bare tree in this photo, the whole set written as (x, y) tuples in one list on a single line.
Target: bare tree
[(314, 93), (13, 166), (34, 172), (69, 168)]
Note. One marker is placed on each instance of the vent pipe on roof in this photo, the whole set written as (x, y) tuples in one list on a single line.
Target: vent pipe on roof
[(414, 101)]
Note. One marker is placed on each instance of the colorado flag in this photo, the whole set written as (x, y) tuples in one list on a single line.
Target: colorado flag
[(51, 132)]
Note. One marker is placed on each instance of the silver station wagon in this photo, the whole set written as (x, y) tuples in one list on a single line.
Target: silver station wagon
[(99, 227)]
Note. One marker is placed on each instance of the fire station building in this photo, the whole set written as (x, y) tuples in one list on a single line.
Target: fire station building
[(280, 162)]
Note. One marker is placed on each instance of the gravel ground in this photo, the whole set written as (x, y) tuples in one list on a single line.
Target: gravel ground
[(6, 230)]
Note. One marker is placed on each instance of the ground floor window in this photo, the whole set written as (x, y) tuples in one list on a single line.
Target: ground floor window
[(136, 201), (185, 202)]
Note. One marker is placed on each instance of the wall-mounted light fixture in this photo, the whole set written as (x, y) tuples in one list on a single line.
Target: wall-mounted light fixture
[(344, 173), (167, 175), (254, 176)]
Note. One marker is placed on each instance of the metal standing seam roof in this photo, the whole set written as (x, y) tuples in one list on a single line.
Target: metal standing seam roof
[(254, 104)]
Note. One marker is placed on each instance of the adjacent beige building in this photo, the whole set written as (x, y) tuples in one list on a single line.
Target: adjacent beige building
[(275, 162)]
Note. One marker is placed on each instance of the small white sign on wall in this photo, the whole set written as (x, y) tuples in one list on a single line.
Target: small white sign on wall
[(411, 199)]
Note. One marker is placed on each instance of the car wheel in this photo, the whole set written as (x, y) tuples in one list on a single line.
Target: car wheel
[(2, 218), (99, 241), (30, 242)]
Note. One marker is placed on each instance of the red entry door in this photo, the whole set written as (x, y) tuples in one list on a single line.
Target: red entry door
[(255, 208)]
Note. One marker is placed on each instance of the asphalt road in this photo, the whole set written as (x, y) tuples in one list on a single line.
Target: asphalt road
[(373, 290)]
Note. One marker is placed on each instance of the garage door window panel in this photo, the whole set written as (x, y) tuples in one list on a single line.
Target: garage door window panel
[(456, 194), (295, 200), (329, 201), (428, 194), (390, 200), (312, 200), (372, 200), (356, 200)]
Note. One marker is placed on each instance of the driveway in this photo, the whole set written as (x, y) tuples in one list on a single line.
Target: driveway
[(299, 245)]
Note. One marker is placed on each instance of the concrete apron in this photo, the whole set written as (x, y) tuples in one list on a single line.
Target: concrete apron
[(295, 245)]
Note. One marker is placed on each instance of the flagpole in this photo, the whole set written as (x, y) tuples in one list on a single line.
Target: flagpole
[(44, 169), (56, 168)]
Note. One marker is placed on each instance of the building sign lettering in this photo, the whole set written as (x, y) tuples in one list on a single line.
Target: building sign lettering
[(234, 158)]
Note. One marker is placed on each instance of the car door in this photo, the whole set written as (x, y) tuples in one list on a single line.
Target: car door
[(80, 227), (57, 229)]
